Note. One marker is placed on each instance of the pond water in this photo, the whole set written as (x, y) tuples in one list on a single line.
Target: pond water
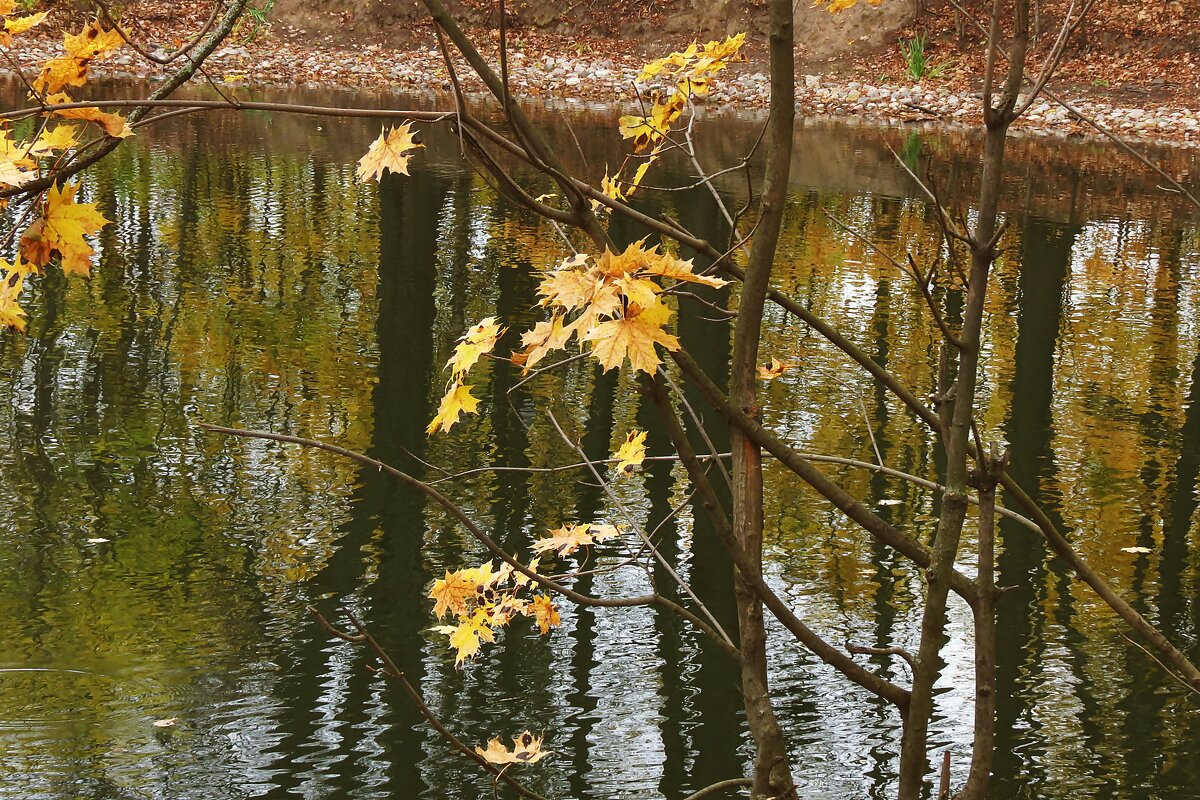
[(151, 571)]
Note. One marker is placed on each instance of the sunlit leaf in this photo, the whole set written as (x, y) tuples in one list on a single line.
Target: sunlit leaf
[(632, 452), (390, 152), (478, 341), (527, 749), (455, 403), (60, 231), (773, 369)]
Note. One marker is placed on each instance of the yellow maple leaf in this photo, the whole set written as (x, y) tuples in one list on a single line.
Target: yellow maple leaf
[(389, 152), (60, 137), (468, 636), (15, 27), (670, 267), (544, 613), (773, 369), (569, 287), (569, 538), (632, 337), (632, 452), (456, 402), (60, 72), (11, 283), (13, 171), (527, 749), (93, 41), (72, 69), (476, 342), (541, 340), (60, 231), (641, 292), (612, 186), (114, 124), (453, 594)]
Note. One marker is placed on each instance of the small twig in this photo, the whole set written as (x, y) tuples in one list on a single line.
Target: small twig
[(862, 650), (392, 672), (713, 788)]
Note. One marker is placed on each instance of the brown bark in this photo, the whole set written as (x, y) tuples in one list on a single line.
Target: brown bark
[(983, 746), (957, 441), (772, 770)]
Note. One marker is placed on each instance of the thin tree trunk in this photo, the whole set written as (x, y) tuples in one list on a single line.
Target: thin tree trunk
[(985, 649), (913, 760), (772, 770)]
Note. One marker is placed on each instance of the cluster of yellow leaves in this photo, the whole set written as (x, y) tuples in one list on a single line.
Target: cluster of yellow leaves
[(527, 749), (390, 152), (58, 233), (71, 68), (59, 228), (611, 302), (480, 600), (474, 344), (483, 599), (691, 70)]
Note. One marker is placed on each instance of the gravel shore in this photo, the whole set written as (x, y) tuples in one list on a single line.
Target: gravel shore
[(612, 80)]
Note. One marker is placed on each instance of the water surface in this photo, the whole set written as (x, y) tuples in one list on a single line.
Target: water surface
[(151, 571)]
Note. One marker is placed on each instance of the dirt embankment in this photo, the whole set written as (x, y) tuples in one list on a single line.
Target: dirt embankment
[(591, 24)]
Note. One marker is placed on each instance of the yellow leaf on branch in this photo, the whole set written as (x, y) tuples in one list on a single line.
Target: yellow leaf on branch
[(12, 281), (60, 231), (457, 401), (60, 137), (632, 452), (569, 538), (114, 124), (527, 749), (390, 152), (544, 613), (15, 27), (455, 593), (475, 343), (632, 337), (467, 637), (71, 69)]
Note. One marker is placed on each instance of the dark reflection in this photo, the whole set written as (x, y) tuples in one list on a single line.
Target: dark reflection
[(1021, 562), (149, 571)]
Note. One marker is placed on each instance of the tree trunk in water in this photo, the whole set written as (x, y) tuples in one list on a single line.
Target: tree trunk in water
[(772, 770), (957, 438)]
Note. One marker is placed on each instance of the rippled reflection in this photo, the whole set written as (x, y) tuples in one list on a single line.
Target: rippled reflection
[(150, 571)]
